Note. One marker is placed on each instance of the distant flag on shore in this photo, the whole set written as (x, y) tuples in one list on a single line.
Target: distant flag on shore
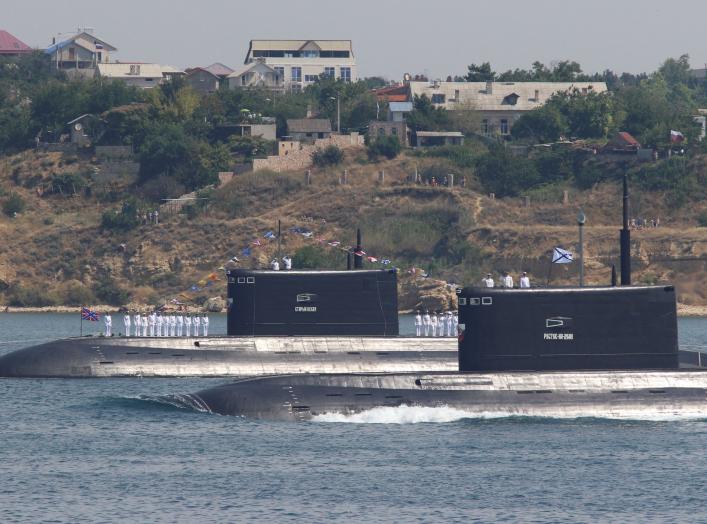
[(385, 261), (246, 252), (561, 256), (87, 314), (359, 253), (269, 235), (372, 259), (256, 242), (334, 243)]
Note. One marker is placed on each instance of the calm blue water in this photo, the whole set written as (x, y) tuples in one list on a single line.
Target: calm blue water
[(94, 451)]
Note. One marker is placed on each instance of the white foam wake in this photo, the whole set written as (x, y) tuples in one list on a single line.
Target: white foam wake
[(445, 414)]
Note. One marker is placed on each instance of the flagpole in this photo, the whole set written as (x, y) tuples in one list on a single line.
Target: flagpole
[(81, 315), (549, 271)]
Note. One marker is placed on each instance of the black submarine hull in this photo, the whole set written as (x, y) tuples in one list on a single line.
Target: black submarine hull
[(227, 356), (625, 394)]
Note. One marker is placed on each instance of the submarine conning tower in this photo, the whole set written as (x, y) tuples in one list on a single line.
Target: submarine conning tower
[(587, 328), (312, 303)]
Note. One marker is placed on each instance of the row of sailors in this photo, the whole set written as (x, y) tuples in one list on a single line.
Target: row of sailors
[(436, 324), (159, 325), (507, 281)]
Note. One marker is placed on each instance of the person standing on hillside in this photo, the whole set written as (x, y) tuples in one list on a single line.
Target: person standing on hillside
[(418, 323), (524, 281), (126, 323), (109, 325), (427, 322)]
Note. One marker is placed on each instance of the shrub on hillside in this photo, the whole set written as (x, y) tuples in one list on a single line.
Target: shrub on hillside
[(30, 296), (313, 257), (123, 220), (387, 146), (702, 218), (109, 292), (13, 204), (74, 293), (505, 174), (329, 156)]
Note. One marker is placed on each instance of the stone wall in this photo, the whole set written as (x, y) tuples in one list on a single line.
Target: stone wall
[(301, 158)]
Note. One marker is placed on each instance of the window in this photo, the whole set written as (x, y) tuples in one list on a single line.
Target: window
[(345, 74), (485, 127), (438, 98), (381, 131), (100, 56), (329, 72), (394, 130), (280, 72), (296, 74), (309, 54), (486, 301), (504, 126), (456, 95), (311, 78), (72, 53)]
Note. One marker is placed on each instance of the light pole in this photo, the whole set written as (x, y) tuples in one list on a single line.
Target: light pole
[(581, 219), (338, 113)]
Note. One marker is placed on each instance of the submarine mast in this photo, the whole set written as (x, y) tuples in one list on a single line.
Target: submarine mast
[(625, 240)]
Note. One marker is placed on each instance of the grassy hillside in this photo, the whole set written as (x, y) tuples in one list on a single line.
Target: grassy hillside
[(55, 251)]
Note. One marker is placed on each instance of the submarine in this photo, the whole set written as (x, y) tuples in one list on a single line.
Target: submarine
[(570, 352), (278, 322)]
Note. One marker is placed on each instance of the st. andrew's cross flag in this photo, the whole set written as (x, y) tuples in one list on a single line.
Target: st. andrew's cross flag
[(87, 314), (561, 256)]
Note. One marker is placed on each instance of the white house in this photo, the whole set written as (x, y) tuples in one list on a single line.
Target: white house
[(79, 54), (300, 62), (136, 74), (256, 74), (499, 104)]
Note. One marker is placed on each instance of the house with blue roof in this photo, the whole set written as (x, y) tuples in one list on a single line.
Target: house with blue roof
[(80, 54)]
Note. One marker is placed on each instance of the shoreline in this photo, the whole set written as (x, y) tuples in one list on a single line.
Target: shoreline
[(684, 310)]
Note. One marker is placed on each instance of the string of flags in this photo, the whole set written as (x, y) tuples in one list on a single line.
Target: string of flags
[(247, 251)]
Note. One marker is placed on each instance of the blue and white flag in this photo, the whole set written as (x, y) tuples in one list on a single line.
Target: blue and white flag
[(269, 235), (246, 252), (561, 256)]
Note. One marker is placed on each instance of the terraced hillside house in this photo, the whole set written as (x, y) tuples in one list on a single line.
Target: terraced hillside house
[(300, 62), (308, 129), (256, 74), (137, 74), (10, 45), (79, 54), (498, 104)]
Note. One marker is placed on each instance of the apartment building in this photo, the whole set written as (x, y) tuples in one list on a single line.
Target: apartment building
[(300, 62)]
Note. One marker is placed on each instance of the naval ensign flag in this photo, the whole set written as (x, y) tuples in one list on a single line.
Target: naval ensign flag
[(560, 256)]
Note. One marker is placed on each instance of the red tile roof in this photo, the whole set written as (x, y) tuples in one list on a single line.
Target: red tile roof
[(10, 45), (626, 137)]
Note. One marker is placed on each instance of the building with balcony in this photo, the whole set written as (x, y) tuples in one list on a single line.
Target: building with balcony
[(80, 54), (300, 63), (498, 104)]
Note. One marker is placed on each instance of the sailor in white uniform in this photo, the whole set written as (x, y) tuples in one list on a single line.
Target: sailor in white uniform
[(427, 323), (187, 325), (455, 323), (524, 281), (196, 321), (172, 325), (180, 324), (158, 324), (488, 281), (450, 324), (126, 323), (287, 262), (153, 321), (109, 325), (136, 322), (144, 324), (205, 325), (418, 323), (433, 323), (507, 281), (440, 324), (274, 265)]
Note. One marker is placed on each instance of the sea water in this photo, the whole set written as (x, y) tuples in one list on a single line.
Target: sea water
[(109, 450)]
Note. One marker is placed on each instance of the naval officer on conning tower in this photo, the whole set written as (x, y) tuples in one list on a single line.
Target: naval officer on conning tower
[(488, 281), (126, 323), (418, 323)]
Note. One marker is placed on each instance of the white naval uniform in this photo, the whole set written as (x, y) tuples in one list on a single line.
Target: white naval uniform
[(287, 262), (275, 265), (126, 323), (508, 281), (205, 325), (524, 282), (187, 326), (427, 323), (455, 324), (487, 282), (180, 325), (172, 325), (109, 325), (418, 325), (145, 324), (159, 322), (197, 322), (433, 324), (450, 324), (136, 321), (440, 325), (153, 321)]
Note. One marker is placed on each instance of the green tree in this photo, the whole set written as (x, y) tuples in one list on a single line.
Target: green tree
[(544, 124), (505, 174), (387, 146), (480, 73)]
